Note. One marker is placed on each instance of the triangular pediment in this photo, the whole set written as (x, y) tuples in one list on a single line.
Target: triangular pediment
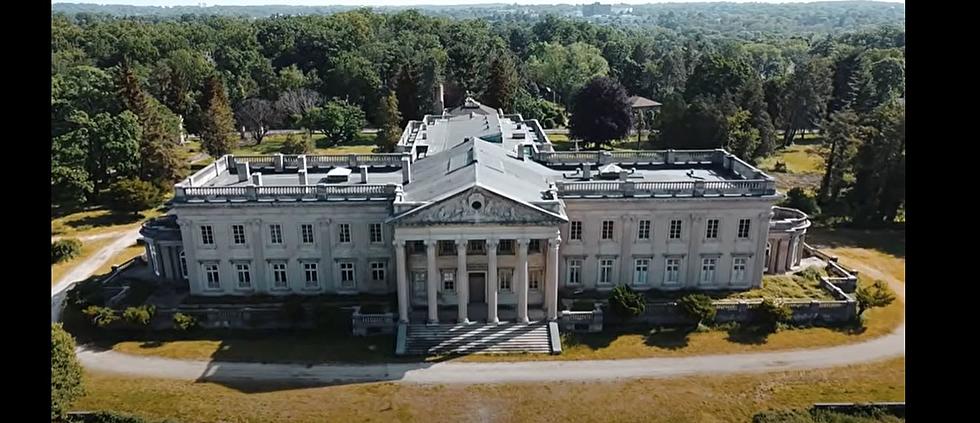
[(478, 205)]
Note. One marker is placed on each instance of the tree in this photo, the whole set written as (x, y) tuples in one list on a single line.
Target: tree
[(65, 249), (626, 303), (601, 112), (66, 372), (389, 123), (879, 167), (159, 158), (805, 97), (801, 199), (699, 125), (549, 115), (134, 195), (502, 87), (742, 139), (698, 307), (338, 120), (876, 295), (889, 79), (294, 144), (258, 117), (565, 69), (295, 103), (770, 313), (217, 132), (843, 137)]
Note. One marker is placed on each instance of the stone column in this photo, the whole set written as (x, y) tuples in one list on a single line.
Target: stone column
[(402, 281), (462, 282), (551, 281), (432, 289), (520, 278), (492, 281)]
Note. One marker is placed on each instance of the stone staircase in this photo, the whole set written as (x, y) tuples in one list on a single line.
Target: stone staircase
[(478, 338)]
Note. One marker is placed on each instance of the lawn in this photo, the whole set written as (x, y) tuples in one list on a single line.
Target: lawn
[(96, 220), (786, 286), (700, 398), (804, 165), (362, 144), (88, 249)]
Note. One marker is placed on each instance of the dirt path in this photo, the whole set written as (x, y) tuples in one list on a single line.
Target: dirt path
[(84, 269)]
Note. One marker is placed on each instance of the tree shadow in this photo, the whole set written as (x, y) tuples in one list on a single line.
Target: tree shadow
[(749, 334), (108, 219), (890, 241), (670, 338)]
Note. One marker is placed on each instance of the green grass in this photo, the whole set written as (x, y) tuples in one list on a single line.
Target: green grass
[(96, 220), (362, 144), (88, 249), (120, 258), (786, 286), (733, 398)]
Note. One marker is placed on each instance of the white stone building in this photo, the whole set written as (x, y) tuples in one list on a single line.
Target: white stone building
[(475, 218)]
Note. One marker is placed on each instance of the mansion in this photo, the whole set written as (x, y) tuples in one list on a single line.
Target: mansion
[(475, 218)]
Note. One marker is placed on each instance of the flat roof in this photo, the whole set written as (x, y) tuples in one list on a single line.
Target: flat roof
[(375, 176)]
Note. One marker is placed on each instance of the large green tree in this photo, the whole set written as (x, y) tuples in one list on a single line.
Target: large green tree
[(805, 97), (565, 69), (340, 121), (66, 373), (160, 160), (843, 135), (879, 168), (218, 129), (504, 83), (601, 112), (389, 123)]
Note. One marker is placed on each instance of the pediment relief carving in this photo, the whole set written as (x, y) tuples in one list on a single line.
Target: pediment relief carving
[(477, 206)]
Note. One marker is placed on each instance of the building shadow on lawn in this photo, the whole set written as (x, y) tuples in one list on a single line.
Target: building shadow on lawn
[(889, 241), (666, 338)]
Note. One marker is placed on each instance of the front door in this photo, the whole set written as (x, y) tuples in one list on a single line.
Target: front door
[(477, 308)]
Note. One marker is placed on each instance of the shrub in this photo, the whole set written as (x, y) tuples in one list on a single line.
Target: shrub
[(184, 322), (107, 417), (101, 316), (139, 316), (698, 307), (802, 200), (66, 372), (810, 273), (876, 295), (297, 144), (65, 249), (779, 167), (770, 313), (626, 303), (134, 195), (332, 319), (294, 310)]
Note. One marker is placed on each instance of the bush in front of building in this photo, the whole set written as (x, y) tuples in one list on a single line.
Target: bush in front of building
[(332, 319), (184, 322), (66, 372), (626, 303), (101, 316), (65, 249), (769, 314), (139, 316), (294, 310), (698, 307)]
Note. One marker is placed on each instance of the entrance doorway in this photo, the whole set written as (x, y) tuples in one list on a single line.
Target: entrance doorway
[(477, 307)]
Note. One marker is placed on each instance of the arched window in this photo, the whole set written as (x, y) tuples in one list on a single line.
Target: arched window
[(183, 264)]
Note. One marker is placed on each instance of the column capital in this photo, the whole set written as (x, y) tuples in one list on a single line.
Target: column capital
[(554, 242), (431, 243), (184, 223), (324, 222), (492, 243), (522, 242), (254, 222), (461, 243), (400, 243)]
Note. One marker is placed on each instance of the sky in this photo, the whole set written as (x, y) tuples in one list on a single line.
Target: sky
[(401, 2)]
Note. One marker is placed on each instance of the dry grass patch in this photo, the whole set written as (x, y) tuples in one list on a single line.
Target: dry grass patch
[(306, 347), (121, 257), (786, 286), (97, 221), (799, 158), (272, 144), (695, 399)]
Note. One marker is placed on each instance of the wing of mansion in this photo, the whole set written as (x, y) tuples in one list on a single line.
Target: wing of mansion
[(475, 218)]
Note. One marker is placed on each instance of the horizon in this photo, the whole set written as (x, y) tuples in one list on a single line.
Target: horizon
[(388, 3)]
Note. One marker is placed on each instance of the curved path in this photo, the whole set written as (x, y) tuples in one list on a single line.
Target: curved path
[(888, 346), (84, 269)]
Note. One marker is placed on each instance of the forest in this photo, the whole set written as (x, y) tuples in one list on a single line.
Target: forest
[(125, 88)]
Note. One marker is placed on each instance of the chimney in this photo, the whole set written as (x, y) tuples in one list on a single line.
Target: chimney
[(406, 170), (364, 174), (242, 169), (257, 179), (302, 176)]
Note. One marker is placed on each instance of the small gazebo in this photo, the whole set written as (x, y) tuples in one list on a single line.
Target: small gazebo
[(640, 105)]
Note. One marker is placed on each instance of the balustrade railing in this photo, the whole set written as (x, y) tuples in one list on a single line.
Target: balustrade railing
[(667, 188), (303, 192)]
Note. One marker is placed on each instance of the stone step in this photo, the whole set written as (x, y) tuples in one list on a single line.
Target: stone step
[(478, 338)]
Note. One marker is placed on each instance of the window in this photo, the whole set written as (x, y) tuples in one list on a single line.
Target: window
[(346, 274), (504, 279), (575, 230), (738, 269), (244, 275), (311, 274), (476, 247), (307, 230), (675, 229), (238, 234), (376, 235), (344, 232), (275, 234), (708, 270), (212, 275), (279, 275), (711, 232), (606, 270), (207, 235), (419, 280), (574, 271), (743, 228), (768, 250), (534, 279), (641, 271), (448, 280), (447, 248), (607, 229), (415, 247), (183, 264), (378, 269), (506, 246), (643, 230), (672, 270), (534, 246)]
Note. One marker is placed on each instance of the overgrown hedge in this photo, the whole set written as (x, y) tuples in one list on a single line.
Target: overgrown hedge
[(65, 249)]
